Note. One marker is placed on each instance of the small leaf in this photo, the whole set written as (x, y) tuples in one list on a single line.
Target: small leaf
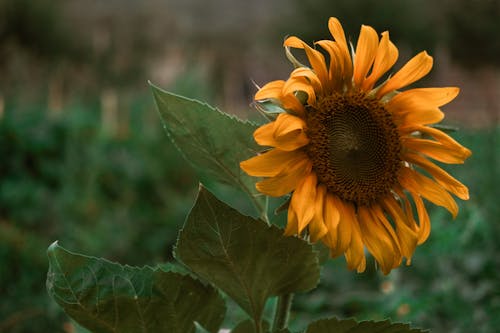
[(352, 326), (214, 143), (107, 297), (249, 260), (199, 328)]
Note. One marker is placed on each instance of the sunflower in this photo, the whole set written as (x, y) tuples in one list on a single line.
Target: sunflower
[(357, 157)]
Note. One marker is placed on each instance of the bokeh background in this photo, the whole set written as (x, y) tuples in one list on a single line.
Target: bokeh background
[(84, 159)]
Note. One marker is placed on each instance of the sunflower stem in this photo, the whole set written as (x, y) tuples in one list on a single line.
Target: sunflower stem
[(282, 314)]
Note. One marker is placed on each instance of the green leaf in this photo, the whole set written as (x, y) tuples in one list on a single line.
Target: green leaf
[(247, 326), (352, 326), (249, 260), (107, 297), (214, 143)]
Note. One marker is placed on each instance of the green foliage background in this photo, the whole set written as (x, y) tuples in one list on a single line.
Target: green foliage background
[(124, 196)]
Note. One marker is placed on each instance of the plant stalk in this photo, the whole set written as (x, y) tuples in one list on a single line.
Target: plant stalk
[(282, 313)]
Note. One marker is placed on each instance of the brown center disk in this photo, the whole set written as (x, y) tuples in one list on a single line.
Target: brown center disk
[(354, 146)]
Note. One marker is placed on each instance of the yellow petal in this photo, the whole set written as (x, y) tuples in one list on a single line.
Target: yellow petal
[(272, 89), (344, 228), (338, 34), (416, 116), (289, 132), (437, 150), (309, 75), (377, 238), (424, 98), (286, 133), (423, 219), (355, 254), (331, 219), (303, 200), (336, 67), (420, 106), (441, 137), (264, 135), (427, 188), (413, 70), (295, 84), (286, 181), (317, 227), (366, 50), (387, 54), (271, 163), (407, 237), (316, 59), (442, 177), (292, 225), (291, 103)]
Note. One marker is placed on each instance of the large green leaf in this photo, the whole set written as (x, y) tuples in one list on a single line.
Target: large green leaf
[(214, 143), (107, 297), (249, 260), (352, 326)]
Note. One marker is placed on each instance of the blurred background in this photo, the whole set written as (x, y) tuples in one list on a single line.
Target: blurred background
[(84, 159)]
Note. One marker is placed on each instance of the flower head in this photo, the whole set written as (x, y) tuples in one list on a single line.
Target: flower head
[(357, 157)]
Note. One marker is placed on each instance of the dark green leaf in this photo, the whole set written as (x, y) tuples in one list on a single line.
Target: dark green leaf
[(249, 260), (247, 326), (352, 326), (107, 297), (214, 143)]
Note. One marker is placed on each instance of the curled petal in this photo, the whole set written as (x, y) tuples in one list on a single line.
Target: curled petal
[(272, 89), (407, 236), (424, 225), (343, 233), (303, 201), (427, 188), (442, 177), (317, 227), (379, 237), (315, 57)]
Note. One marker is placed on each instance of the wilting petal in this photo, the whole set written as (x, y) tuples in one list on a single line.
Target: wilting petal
[(427, 188), (271, 163), (407, 237), (303, 200), (366, 50), (331, 219), (387, 54), (424, 222), (286, 181), (344, 228), (317, 227), (379, 237), (355, 253), (418, 67), (442, 177)]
